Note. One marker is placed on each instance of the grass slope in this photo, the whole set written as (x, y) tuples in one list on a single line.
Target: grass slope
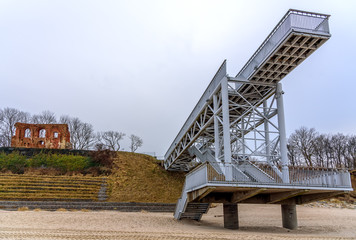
[(139, 178)]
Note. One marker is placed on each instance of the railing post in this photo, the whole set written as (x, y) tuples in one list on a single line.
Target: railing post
[(282, 133)]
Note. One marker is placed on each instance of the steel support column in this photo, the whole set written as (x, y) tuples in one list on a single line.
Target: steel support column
[(243, 138), (282, 134), (266, 127), (226, 128), (216, 128)]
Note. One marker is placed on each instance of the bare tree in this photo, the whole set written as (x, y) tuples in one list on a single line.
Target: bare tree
[(293, 153), (303, 139), (111, 139), (65, 119), (306, 146), (319, 151), (136, 142), (8, 118), (46, 117), (351, 151), (339, 149), (81, 134)]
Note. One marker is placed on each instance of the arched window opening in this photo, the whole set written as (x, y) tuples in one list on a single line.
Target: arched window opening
[(41, 143), (55, 135), (42, 133), (27, 133)]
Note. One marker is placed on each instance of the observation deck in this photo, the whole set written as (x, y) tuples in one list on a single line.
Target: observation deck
[(234, 143)]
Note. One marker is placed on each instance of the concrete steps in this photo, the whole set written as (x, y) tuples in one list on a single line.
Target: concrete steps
[(15, 187)]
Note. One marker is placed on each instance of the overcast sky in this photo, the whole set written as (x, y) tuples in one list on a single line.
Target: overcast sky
[(141, 66)]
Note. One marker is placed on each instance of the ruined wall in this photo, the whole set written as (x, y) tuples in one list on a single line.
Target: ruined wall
[(52, 136)]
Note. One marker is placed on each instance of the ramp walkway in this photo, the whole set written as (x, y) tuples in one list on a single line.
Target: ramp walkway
[(234, 144)]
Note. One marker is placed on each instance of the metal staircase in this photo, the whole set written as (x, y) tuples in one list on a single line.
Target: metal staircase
[(195, 211)]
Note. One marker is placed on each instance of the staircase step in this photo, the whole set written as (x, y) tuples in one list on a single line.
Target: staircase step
[(195, 211), (192, 216)]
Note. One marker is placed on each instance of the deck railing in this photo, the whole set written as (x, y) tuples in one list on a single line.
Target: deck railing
[(263, 174)]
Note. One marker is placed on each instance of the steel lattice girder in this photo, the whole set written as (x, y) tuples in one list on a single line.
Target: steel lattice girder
[(294, 38)]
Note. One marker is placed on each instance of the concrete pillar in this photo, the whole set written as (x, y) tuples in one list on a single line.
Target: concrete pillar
[(231, 218), (289, 216)]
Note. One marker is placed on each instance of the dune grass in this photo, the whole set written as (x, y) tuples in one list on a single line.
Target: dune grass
[(139, 178)]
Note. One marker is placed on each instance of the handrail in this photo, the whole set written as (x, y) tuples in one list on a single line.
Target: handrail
[(300, 176)]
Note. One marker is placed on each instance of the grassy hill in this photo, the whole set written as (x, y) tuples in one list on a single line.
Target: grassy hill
[(134, 178), (139, 178)]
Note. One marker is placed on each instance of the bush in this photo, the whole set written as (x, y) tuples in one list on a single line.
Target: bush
[(103, 157), (68, 163), (18, 163), (38, 160), (64, 163), (14, 162), (99, 162)]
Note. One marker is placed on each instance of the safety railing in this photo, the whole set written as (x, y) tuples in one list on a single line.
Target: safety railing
[(182, 203), (263, 174), (319, 177), (197, 177)]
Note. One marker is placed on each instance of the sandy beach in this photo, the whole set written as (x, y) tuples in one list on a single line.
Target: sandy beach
[(256, 222)]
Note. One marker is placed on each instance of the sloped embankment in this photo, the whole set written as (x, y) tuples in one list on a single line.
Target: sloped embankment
[(139, 178), (134, 178)]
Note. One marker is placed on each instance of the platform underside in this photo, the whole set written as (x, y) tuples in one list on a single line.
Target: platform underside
[(218, 193)]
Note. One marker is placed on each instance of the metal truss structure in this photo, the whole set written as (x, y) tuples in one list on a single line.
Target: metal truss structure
[(294, 38), (236, 132)]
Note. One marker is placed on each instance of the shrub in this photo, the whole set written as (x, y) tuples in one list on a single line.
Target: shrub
[(103, 157), (14, 162), (39, 160), (3, 157), (67, 163), (62, 163)]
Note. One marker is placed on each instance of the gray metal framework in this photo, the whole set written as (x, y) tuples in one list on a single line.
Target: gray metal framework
[(294, 38), (234, 142)]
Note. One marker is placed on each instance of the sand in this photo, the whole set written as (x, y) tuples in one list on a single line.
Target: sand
[(256, 222)]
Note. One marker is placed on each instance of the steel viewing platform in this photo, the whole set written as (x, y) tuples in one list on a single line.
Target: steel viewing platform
[(234, 144)]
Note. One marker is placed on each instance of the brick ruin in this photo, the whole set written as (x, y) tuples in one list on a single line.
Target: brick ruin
[(53, 136)]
